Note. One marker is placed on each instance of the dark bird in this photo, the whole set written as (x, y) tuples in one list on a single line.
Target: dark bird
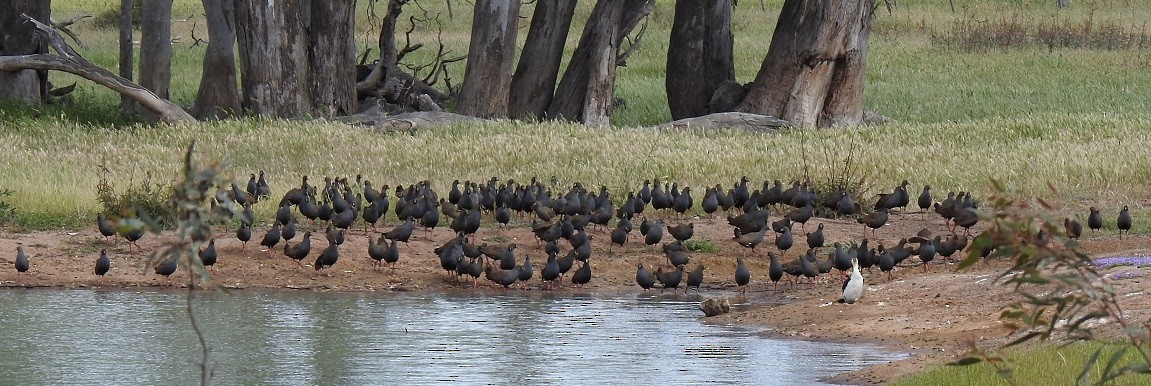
[(134, 235), (618, 237), (271, 238), (643, 278), (815, 239), (710, 202), (841, 259), (1094, 220), (328, 257), (284, 214), (105, 226), (742, 275), (244, 234), (695, 278), (846, 206), (775, 270), (1073, 228), (501, 277), (288, 231), (654, 234), (208, 255), (21, 260), (1124, 222), (507, 257), (886, 262), (966, 218), (402, 232), (582, 275), (376, 251), (677, 257), (450, 254), (784, 241), (299, 251), (167, 267), (683, 202), (103, 264), (927, 251), (550, 271), (681, 232), (801, 215), (751, 240), (503, 216), (335, 235), (669, 279), (526, 271), (875, 220), (924, 200), (808, 266)]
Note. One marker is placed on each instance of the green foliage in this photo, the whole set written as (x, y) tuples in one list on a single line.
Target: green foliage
[(7, 212), (1061, 294), (146, 199), (701, 245), (1039, 365)]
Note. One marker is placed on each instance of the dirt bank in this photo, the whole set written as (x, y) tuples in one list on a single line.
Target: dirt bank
[(928, 313)]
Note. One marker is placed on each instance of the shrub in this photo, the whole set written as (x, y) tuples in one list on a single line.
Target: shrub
[(146, 198)]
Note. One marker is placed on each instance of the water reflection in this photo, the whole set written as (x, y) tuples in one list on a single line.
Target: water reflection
[(288, 338)]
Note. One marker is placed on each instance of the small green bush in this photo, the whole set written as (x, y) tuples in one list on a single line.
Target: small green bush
[(701, 245), (145, 198), (7, 212)]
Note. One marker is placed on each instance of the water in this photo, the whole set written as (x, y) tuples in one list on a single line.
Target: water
[(62, 337)]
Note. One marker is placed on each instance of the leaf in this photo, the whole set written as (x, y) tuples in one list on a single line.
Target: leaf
[(1024, 338), (966, 361), (1082, 378), (1115, 358)]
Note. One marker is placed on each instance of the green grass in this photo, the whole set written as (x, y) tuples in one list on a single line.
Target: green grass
[(1033, 366), (962, 117)]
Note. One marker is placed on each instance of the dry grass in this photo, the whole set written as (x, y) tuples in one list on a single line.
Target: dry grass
[(1089, 158)]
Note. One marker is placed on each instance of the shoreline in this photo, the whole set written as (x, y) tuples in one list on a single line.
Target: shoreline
[(930, 315)]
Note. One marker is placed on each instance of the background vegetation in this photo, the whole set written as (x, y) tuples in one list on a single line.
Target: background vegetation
[(988, 89)]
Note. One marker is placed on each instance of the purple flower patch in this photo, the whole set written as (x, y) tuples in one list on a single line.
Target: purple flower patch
[(1134, 261), (1124, 275)]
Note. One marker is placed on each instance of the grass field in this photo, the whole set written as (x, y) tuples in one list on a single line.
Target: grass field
[(1077, 116), (1034, 366)]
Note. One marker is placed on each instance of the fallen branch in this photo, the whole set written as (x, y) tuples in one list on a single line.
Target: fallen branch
[(728, 120), (63, 26), (68, 60)]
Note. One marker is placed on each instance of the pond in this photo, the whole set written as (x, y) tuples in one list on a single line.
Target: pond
[(121, 337)]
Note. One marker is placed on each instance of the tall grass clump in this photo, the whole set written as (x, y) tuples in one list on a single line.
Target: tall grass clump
[(977, 33)]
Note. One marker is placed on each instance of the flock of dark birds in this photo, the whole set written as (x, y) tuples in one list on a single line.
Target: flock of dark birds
[(561, 219)]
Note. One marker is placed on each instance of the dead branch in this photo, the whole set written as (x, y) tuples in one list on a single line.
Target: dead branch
[(68, 60), (63, 26), (633, 43)]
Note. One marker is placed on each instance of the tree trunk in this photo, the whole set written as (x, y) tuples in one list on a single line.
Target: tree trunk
[(487, 77), (18, 38), (296, 57), (539, 66), (577, 91), (699, 56), (219, 96), (332, 57), (813, 72), (127, 58), (156, 47), (273, 57)]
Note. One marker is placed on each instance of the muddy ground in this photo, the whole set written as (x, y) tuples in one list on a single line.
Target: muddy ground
[(931, 314)]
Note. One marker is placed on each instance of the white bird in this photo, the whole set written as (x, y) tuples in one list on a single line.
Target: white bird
[(853, 288)]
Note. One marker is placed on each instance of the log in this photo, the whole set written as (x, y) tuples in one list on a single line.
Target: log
[(728, 120), (68, 60), (406, 122)]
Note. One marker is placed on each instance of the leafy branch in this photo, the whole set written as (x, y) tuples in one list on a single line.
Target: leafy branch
[(1061, 294), (192, 198)]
